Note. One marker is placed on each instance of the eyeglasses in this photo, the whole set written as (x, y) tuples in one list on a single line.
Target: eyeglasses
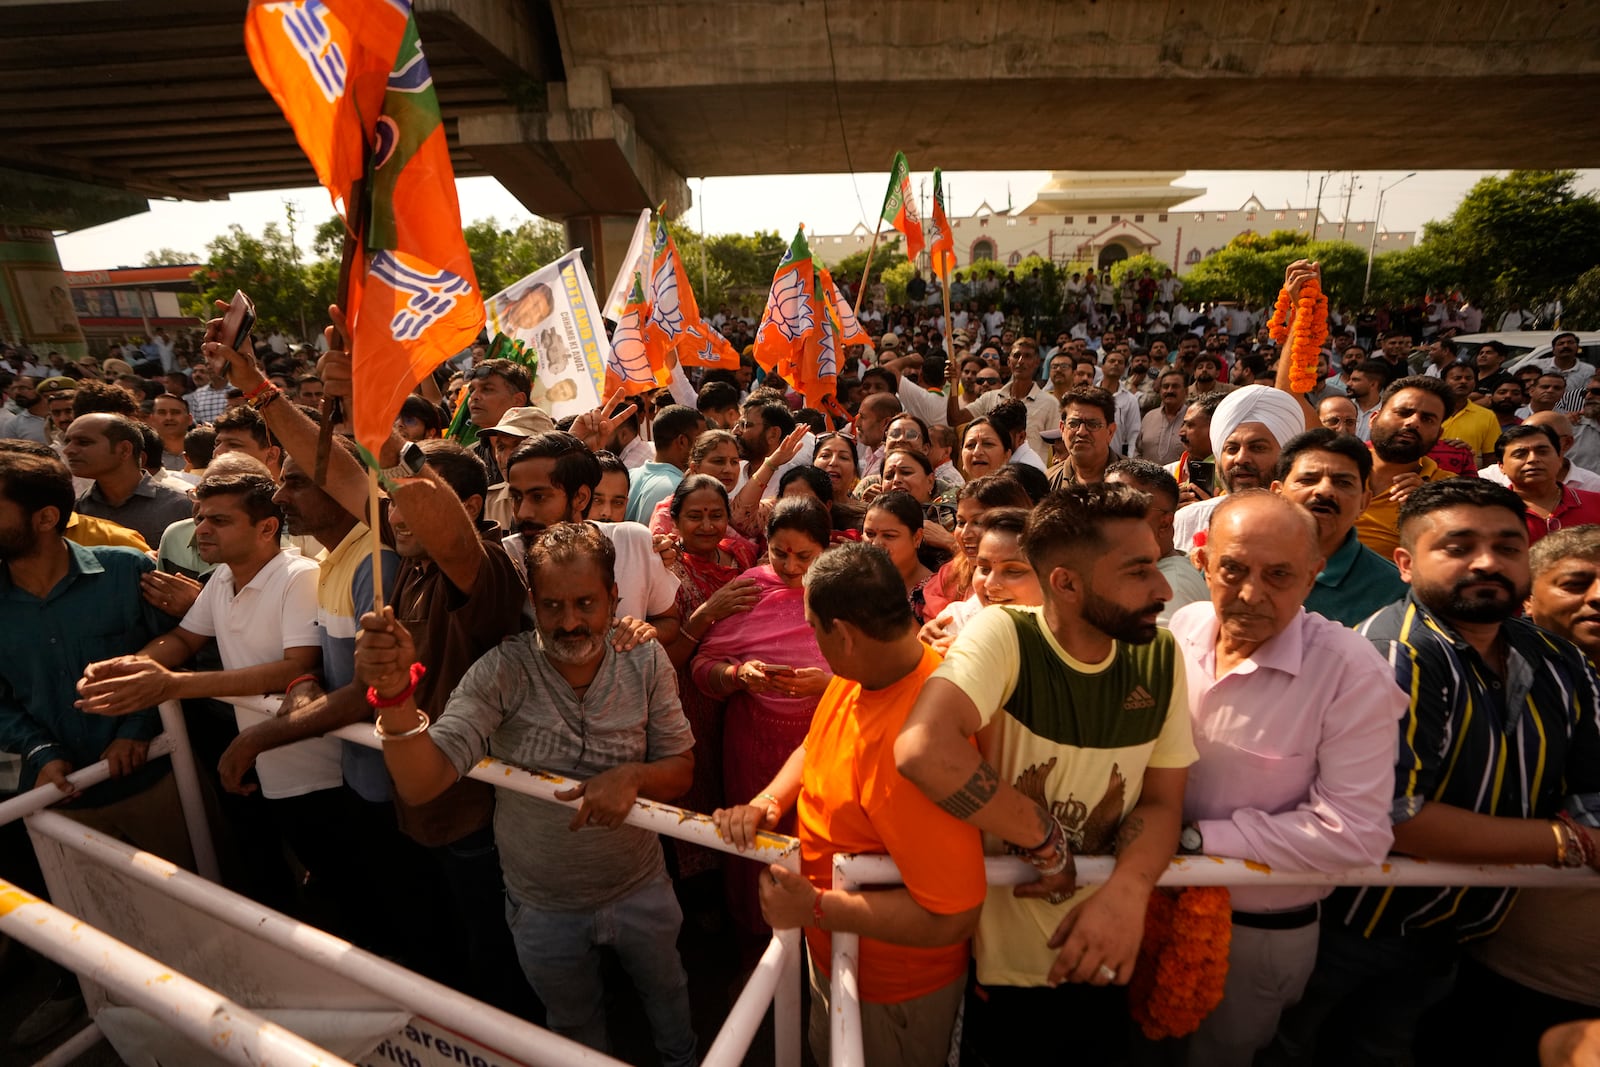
[(1074, 425), (1591, 392), (988, 380)]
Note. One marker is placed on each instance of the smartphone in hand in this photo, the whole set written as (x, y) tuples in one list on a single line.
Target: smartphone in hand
[(237, 322), (773, 670)]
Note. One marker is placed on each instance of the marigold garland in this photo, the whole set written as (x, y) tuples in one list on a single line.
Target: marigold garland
[(1183, 960), (1305, 334)]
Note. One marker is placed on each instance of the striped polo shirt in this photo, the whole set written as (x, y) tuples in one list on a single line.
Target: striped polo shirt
[(1522, 747)]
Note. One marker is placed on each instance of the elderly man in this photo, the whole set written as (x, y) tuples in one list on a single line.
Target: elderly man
[(1585, 449), (1338, 413), (1497, 760), (1294, 718), (1326, 474), (562, 699), (1249, 430), (1085, 744), (1566, 360)]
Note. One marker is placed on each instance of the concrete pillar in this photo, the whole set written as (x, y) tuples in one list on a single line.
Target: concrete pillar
[(604, 239), (35, 302)]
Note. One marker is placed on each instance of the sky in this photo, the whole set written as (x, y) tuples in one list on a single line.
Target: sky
[(826, 203)]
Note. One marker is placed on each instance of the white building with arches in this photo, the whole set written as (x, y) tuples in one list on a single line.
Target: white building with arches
[(1101, 217)]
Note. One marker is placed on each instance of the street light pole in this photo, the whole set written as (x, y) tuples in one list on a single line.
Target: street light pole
[(1372, 241)]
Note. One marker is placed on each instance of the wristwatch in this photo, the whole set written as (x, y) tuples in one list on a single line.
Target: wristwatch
[(1190, 841), (412, 459)]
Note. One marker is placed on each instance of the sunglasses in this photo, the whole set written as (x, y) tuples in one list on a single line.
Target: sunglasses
[(943, 514), (1591, 392), (988, 380)]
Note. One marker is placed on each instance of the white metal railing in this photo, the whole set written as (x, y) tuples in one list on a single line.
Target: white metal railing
[(854, 871), (138, 980), (203, 1015)]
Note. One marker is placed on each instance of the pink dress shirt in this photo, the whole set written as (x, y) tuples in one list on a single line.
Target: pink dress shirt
[(1297, 749)]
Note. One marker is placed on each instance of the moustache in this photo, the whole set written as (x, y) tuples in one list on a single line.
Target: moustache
[(1486, 579), (581, 633)]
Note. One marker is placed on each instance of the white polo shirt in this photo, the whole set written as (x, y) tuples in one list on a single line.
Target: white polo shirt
[(277, 610)]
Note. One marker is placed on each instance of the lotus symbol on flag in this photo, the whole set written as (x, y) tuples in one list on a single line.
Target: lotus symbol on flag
[(790, 310), (667, 312), (827, 356), (432, 295), (629, 359)]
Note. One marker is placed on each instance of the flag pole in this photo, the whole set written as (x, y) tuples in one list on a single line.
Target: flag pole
[(949, 341), (866, 272), (351, 261)]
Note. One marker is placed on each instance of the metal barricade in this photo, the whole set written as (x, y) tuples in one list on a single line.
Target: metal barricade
[(854, 871), (241, 1036)]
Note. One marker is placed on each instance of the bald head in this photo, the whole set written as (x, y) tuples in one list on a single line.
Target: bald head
[(1258, 509), (1261, 559), (1553, 419), (882, 405), (1338, 413)]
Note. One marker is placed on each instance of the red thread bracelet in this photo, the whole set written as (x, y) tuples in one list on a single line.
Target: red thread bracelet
[(417, 671), (816, 908), (303, 678), (266, 383)]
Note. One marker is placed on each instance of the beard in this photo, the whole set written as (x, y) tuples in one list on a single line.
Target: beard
[(1477, 606), (18, 543), (1399, 446), (571, 646), (1117, 621)]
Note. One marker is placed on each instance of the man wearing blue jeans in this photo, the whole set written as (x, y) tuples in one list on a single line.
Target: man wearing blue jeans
[(562, 699)]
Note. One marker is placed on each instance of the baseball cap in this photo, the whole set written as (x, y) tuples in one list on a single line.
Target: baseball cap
[(521, 422), (888, 341)]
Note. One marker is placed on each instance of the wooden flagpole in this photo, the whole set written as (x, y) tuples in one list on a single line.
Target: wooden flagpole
[(351, 261), (866, 272), (949, 341)]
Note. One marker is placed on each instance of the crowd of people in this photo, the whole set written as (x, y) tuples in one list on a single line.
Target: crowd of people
[(1111, 591)]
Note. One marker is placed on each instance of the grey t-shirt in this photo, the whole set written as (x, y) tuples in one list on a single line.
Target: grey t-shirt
[(514, 705)]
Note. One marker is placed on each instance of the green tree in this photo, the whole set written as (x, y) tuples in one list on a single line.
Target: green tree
[(1250, 268), (1523, 238), (1134, 266), (165, 257), (895, 279), (1581, 309), (268, 268), (1401, 276), (501, 257), (886, 255)]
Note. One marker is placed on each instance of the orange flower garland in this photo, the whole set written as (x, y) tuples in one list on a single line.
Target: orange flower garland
[(1183, 960), (1305, 334)]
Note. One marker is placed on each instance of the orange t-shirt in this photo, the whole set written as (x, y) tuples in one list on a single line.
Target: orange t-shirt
[(852, 799)]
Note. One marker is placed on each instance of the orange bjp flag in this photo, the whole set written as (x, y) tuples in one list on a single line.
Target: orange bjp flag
[(352, 80), (628, 365), (900, 206), (792, 317), (941, 243)]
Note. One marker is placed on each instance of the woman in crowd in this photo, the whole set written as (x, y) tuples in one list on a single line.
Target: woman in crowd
[(909, 471), (715, 452), (1001, 575), (835, 454), (983, 449), (844, 516), (710, 558), (954, 580), (765, 663), (895, 524)]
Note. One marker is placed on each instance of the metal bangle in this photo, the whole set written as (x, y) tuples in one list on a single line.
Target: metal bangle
[(377, 728)]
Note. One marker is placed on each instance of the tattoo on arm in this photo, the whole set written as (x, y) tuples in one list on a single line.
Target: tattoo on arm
[(1128, 832), (979, 790)]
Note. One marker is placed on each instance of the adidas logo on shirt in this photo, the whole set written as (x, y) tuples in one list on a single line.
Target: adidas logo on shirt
[(1139, 699)]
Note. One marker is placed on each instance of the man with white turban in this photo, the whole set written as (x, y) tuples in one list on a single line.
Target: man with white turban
[(1248, 432)]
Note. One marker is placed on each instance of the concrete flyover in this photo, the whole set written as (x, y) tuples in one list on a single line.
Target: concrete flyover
[(588, 109)]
